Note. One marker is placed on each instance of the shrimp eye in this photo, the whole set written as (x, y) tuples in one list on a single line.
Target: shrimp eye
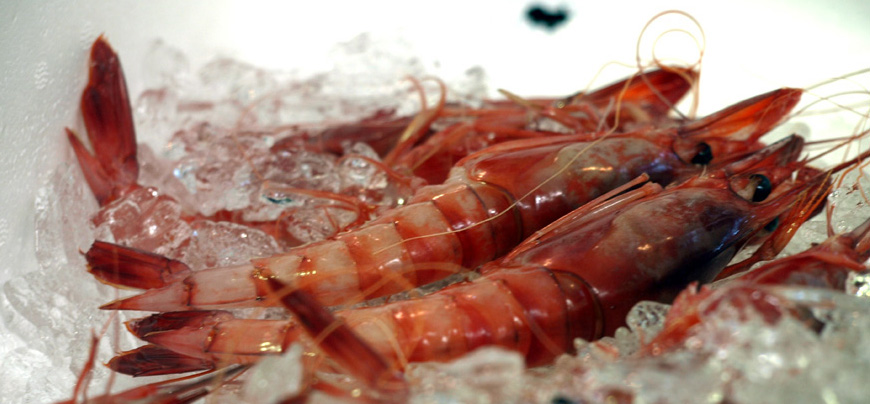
[(755, 187), (762, 187), (772, 225), (693, 152), (704, 154)]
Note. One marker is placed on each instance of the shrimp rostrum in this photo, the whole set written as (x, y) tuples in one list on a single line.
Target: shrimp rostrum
[(493, 199), (577, 278)]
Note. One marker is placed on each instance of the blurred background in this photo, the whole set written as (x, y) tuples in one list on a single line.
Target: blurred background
[(528, 47)]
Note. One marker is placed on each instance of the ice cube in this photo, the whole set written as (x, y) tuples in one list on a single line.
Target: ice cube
[(275, 378), (222, 244), (145, 219), (487, 375)]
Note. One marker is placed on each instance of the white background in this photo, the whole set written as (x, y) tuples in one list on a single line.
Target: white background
[(751, 47)]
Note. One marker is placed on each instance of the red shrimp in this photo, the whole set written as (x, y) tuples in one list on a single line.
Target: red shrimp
[(576, 278), (494, 199), (641, 100), (825, 265), (112, 170), (381, 130)]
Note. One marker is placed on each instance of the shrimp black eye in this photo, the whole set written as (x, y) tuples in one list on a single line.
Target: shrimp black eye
[(772, 225), (704, 154), (762, 187)]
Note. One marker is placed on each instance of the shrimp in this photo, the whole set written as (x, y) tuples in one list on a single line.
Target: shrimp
[(576, 278), (706, 337), (824, 266), (479, 214), (112, 170), (642, 100)]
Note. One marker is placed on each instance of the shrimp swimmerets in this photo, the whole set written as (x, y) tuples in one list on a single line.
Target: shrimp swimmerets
[(493, 199)]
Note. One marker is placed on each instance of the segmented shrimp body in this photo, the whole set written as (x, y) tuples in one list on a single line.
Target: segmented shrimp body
[(641, 101), (493, 199), (112, 170), (576, 278)]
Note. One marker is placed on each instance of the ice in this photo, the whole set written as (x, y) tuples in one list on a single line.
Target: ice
[(155, 114), (300, 169), (159, 173), (143, 219), (850, 207), (235, 81), (50, 310), (221, 122), (221, 244), (858, 284), (275, 378), (165, 67), (215, 170), (370, 182), (487, 375), (850, 201)]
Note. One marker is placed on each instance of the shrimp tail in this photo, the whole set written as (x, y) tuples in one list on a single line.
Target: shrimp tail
[(159, 323), (152, 360), (339, 342), (112, 170), (124, 266)]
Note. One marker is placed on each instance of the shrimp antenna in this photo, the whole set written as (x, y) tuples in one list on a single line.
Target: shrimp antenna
[(701, 45)]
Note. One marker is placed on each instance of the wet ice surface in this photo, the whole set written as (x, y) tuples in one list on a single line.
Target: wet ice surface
[(204, 168)]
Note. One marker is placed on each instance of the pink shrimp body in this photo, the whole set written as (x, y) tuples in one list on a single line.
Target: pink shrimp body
[(577, 278), (112, 170), (493, 199), (642, 100)]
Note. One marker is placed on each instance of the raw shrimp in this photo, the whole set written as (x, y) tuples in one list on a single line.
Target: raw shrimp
[(112, 170), (576, 278), (790, 309), (643, 100), (493, 199), (826, 265)]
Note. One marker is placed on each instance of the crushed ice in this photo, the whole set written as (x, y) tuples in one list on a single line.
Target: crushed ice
[(209, 158), (214, 167)]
